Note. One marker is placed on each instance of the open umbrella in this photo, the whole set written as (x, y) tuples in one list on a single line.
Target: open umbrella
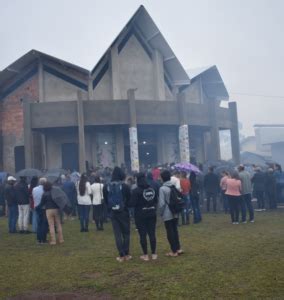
[(29, 174), (187, 167), (54, 174)]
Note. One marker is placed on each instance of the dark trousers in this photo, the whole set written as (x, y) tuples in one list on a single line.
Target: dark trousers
[(234, 204), (98, 215), (185, 214), (213, 196), (42, 226), (225, 202), (172, 234), (121, 229), (246, 205), (13, 214), (84, 211), (196, 209), (271, 196), (147, 226), (260, 199)]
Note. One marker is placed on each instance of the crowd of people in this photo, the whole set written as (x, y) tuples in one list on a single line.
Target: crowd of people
[(175, 195)]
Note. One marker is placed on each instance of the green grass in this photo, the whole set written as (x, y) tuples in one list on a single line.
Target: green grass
[(222, 261)]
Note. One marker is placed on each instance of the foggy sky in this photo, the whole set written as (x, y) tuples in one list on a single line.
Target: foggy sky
[(244, 38)]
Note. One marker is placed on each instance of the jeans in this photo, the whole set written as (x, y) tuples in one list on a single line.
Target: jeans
[(42, 226), (98, 215), (234, 203), (12, 218), (196, 209), (260, 199), (84, 211), (121, 229), (147, 226), (172, 234), (225, 202), (247, 205), (34, 220), (212, 195), (23, 220), (53, 218)]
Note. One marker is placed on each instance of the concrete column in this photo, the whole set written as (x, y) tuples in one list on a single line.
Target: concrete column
[(28, 137), (81, 133), (94, 149), (90, 88), (133, 137), (183, 130), (235, 139), (214, 153), (161, 146), (119, 146), (40, 83), (115, 82), (44, 151), (159, 81)]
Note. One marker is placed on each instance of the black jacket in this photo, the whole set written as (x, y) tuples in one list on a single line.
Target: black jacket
[(259, 182), (144, 200), (211, 183), (22, 192), (47, 202), (10, 195)]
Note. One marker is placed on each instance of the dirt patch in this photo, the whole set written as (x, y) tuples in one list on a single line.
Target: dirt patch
[(62, 296)]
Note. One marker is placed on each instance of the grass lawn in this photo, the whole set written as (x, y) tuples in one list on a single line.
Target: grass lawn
[(222, 261)]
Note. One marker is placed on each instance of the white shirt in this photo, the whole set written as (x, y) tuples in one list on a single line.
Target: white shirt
[(85, 199), (97, 191), (176, 182), (37, 194)]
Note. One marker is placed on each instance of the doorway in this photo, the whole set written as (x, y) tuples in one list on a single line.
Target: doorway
[(70, 156), (19, 154)]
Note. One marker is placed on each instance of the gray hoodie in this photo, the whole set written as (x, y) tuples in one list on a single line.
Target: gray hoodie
[(164, 199), (246, 182)]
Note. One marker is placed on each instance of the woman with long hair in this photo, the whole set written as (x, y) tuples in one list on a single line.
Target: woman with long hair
[(84, 201), (52, 214), (98, 209), (233, 192)]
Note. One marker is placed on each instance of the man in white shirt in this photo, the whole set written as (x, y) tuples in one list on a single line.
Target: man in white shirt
[(175, 180)]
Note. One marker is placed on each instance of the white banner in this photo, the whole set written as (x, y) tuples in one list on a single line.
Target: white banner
[(134, 149), (184, 143)]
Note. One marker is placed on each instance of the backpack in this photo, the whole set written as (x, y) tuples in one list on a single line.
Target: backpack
[(115, 197), (176, 204)]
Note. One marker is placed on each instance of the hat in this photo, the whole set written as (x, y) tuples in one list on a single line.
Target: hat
[(11, 178)]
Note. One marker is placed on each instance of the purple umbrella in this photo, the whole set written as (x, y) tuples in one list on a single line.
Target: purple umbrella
[(188, 167)]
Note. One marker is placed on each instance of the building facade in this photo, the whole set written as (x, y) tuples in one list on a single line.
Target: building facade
[(137, 106)]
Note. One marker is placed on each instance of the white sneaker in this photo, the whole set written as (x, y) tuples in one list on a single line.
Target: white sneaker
[(144, 257), (252, 221), (154, 256)]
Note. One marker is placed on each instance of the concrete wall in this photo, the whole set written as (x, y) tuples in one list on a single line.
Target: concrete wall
[(168, 93), (192, 93), (172, 146), (277, 151), (136, 70), (57, 89), (105, 148), (103, 89)]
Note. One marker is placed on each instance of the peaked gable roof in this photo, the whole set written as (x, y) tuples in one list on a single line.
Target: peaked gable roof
[(28, 59), (212, 82), (144, 24)]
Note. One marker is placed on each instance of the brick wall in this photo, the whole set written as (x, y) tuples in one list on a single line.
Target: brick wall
[(12, 122)]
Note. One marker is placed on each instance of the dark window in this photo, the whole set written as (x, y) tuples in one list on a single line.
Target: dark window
[(19, 154)]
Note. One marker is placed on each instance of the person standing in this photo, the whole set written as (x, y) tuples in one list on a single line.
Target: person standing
[(185, 190), (223, 185), (258, 181), (117, 197), (42, 225), (211, 187), (98, 209), (11, 199), (233, 192), (23, 199), (84, 202), (144, 200), (246, 194), (170, 219), (270, 189), (194, 197), (69, 188), (52, 214), (34, 183)]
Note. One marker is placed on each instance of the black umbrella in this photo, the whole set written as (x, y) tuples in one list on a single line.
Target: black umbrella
[(29, 173)]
